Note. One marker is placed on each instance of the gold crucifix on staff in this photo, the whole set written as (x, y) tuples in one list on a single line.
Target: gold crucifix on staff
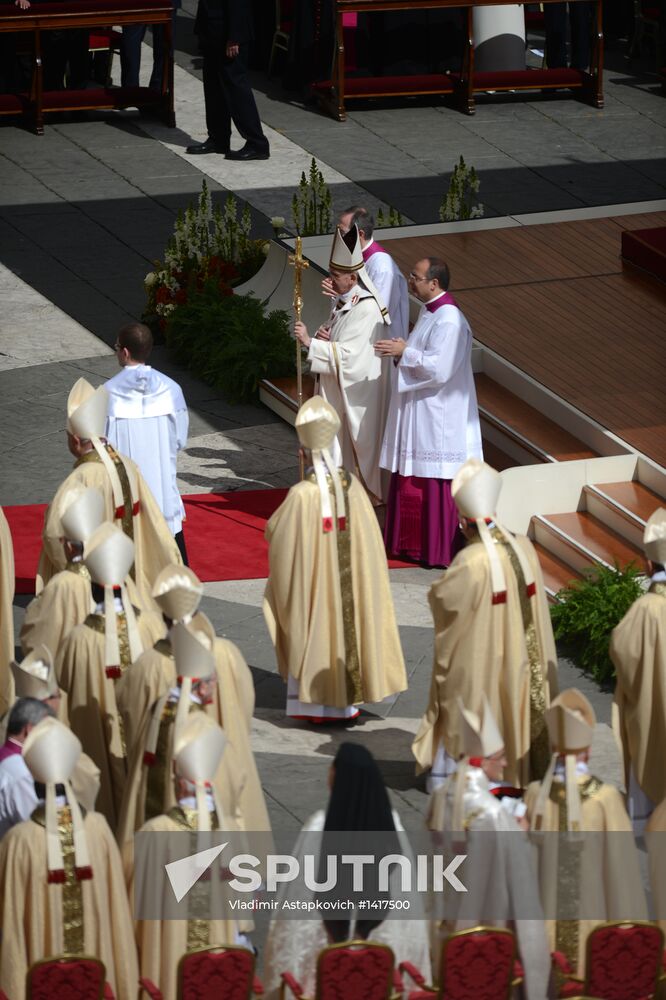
[(299, 264)]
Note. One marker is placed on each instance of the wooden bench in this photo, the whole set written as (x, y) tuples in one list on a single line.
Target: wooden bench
[(85, 14), (334, 93)]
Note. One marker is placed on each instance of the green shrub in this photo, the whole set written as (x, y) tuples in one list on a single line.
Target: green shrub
[(230, 342), (587, 612)]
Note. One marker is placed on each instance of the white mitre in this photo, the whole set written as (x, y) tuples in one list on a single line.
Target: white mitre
[(317, 424), (347, 256), (51, 752), (654, 537), (197, 753), (87, 410), (480, 737), (178, 592), (570, 720), (193, 645), (83, 511), (109, 558), (34, 676), (475, 489)]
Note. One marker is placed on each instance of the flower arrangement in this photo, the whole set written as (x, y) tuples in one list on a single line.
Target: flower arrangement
[(460, 200), (207, 242)]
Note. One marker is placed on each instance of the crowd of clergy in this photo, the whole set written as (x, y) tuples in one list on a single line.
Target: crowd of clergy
[(127, 713)]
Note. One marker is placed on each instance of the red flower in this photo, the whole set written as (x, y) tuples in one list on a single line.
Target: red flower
[(181, 296)]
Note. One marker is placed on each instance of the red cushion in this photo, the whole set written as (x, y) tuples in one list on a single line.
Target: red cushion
[(104, 38), (355, 973), (70, 979), (445, 83), (86, 6), (623, 962), (646, 248), (478, 965), (515, 79), (652, 13), (217, 975), (98, 97), (370, 86), (12, 104)]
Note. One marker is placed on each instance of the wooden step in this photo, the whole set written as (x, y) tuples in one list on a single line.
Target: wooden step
[(546, 439), (639, 500), (623, 507), (497, 457), (556, 573), (580, 539)]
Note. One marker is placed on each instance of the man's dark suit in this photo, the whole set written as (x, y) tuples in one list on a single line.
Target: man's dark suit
[(227, 90), (555, 23)]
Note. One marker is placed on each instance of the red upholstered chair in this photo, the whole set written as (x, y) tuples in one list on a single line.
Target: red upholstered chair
[(213, 974), (68, 977), (479, 963), (624, 962), (102, 43), (353, 970)]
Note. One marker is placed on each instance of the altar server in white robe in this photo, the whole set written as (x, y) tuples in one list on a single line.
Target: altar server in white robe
[(148, 420), (384, 273), (433, 421), (351, 377)]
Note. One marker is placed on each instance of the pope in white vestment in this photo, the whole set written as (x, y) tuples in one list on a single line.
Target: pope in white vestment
[(382, 270), (148, 420), (351, 377), (433, 421)]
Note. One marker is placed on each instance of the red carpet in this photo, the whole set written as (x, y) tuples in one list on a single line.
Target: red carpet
[(224, 534)]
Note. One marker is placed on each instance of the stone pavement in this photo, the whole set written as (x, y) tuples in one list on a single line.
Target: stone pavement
[(87, 208)]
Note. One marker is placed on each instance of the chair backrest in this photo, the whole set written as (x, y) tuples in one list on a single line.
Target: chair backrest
[(216, 974), (355, 970), (478, 963), (66, 978), (624, 960)]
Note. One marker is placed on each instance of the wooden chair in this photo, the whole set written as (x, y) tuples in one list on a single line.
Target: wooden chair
[(479, 963), (221, 973), (355, 970), (103, 41), (67, 976), (282, 33), (624, 962), (646, 22)]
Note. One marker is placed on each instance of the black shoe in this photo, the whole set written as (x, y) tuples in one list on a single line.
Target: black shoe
[(209, 146), (248, 152)]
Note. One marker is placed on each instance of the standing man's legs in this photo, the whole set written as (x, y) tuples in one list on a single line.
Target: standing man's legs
[(241, 104), (218, 118), (580, 19), (130, 54), (555, 24)]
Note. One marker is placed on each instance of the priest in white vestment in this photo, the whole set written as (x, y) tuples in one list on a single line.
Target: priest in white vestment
[(328, 604), (433, 421), (499, 872), (351, 377), (493, 636), (148, 419)]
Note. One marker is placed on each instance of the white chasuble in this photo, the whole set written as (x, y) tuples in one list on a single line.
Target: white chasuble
[(355, 381)]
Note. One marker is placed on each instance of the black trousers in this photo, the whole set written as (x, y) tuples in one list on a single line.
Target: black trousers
[(229, 97), (555, 22), (130, 53)]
